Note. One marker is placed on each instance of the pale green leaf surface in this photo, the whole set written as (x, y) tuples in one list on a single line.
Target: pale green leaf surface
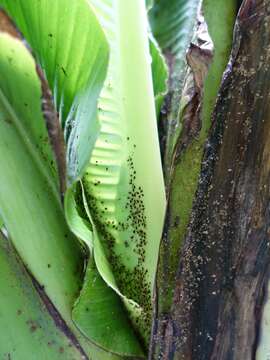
[(73, 52), (123, 184), (26, 326)]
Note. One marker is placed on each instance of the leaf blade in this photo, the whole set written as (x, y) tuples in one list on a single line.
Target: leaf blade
[(20, 304), (25, 183), (73, 55)]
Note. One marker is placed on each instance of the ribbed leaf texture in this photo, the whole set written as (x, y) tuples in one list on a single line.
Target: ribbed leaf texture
[(123, 185)]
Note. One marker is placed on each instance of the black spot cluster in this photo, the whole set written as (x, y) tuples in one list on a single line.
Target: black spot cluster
[(132, 283)]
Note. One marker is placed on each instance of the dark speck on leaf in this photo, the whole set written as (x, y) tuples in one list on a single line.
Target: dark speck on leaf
[(33, 328), (32, 325), (64, 71)]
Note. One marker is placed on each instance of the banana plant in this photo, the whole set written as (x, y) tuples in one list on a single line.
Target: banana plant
[(105, 111)]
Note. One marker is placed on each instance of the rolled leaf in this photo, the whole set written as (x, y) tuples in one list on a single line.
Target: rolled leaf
[(123, 184)]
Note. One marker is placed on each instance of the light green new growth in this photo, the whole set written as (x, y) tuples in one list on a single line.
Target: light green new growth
[(123, 184)]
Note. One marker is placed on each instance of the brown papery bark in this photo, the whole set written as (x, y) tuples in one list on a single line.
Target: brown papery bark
[(225, 262)]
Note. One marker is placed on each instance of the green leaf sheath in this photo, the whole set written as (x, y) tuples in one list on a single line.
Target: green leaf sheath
[(70, 45), (123, 184), (27, 327), (221, 31), (184, 171)]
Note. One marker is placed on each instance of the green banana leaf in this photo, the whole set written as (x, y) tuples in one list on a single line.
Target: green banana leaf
[(123, 185), (26, 325), (100, 315), (29, 199), (72, 50)]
